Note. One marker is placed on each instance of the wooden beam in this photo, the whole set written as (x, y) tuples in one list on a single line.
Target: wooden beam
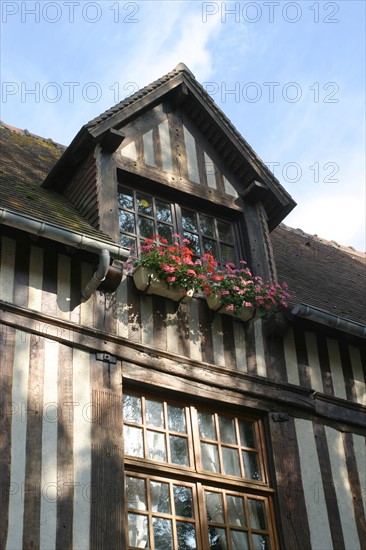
[(302, 402)]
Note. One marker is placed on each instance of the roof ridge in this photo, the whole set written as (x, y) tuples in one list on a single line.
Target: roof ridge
[(211, 103), (181, 67), (27, 133), (345, 248)]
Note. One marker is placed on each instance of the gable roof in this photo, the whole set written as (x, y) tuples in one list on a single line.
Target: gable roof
[(24, 163), (181, 88)]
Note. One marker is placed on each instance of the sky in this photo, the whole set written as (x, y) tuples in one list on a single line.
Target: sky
[(289, 75)]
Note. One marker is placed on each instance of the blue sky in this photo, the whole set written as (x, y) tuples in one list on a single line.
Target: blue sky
[(289, 75)]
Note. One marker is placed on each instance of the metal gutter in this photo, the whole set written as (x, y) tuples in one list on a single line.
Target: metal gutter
[(59, 234), (98, 276), (330, 320)]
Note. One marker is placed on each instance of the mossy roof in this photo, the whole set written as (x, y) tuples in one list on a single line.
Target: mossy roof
[(25, 160)]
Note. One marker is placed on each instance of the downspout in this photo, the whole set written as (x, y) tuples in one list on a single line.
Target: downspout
[(98, 276)]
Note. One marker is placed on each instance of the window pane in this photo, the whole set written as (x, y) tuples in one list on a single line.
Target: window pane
[(176, 419), (183, 501), (194, 243), (138, 535), (179, 451), (127, 222), (128, 242), (227, 430), (186, 536), (133, 441), (228, 254), (125, 200), (261, 542), (246, 434), (210, 457), (162, 534), (154, 413), (146, 227), (206, 425), (224, 230), (132, 409), (189, 220), (235, 509), (217, 538), (257, 514), (160, 500), (207, 226), (210, 246), (251, 467), (231, 461), (165, 231), (144, 205), (215, 507), (239, 540), (136, 493), (163, 211), (156, 446)]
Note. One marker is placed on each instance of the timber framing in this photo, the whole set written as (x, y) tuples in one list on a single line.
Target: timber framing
[(142, 363), (186, 93), (117, 403)]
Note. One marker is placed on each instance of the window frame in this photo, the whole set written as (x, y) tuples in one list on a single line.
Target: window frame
[(208, 481), (180, 202)]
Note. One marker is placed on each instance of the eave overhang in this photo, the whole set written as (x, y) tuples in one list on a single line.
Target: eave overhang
[(59, 234), (329, 320)]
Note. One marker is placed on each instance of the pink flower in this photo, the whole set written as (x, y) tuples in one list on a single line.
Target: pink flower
[(191, 272), (248, 304), (168, 268), (171, 279)]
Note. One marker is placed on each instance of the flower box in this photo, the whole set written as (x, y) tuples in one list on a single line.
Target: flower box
[(246, 313), (148, 281)]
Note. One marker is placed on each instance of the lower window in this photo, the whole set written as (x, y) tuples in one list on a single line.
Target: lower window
[(195, 499)]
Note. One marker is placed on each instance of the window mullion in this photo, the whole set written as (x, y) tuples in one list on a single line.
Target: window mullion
[(173, 516), (240, 448), (144, 430), (218, 439), (177, 218), (202, 527), (196, 443), (149, 512), (259, 443), (167, 433)]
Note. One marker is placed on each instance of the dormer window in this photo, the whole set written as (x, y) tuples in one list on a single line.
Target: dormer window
[(142, 215)]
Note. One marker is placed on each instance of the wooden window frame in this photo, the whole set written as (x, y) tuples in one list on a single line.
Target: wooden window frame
[(203, 480), (177, 205)]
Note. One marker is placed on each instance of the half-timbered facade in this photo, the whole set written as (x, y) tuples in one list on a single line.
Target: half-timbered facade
[(133, 421)]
